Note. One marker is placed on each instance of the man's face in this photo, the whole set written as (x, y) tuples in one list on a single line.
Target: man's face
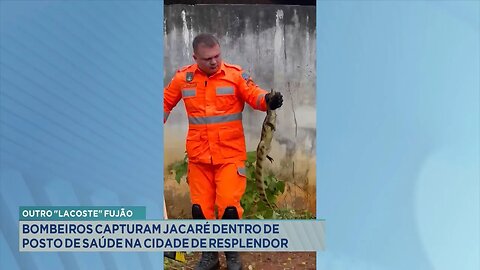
[(208, 59)]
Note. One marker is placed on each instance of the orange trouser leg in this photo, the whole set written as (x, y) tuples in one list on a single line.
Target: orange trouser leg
[(231, 183), (202, 187)]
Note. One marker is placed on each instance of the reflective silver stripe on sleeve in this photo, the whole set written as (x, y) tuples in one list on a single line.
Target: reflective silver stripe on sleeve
[(228, 90), (259, 99), (197, 120), (165, 116), (188, 92), (241, 171)]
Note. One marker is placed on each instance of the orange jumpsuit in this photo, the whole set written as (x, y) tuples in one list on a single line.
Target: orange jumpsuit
[(215, 141)]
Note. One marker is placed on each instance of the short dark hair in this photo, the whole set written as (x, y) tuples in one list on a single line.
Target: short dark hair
[(207, 39)]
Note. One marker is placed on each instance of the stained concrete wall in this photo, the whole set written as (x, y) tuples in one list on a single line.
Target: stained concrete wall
[(276, 45)]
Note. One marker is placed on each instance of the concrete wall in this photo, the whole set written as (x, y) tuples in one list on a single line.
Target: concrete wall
[(276, 45)]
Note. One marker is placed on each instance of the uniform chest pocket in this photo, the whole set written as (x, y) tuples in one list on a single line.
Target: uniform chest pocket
[(225, 97), (189, 96)]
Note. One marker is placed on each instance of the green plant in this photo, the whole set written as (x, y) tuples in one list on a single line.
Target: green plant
[(180, 168)]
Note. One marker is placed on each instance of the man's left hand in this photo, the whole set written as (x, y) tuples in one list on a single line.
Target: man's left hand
[(274, 101)]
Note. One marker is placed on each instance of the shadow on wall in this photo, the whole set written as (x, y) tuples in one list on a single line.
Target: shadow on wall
[(276, 45)]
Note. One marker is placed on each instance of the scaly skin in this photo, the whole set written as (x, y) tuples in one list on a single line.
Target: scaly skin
[(263, 149)]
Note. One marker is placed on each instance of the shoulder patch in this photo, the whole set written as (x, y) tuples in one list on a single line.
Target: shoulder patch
[(239, 68), (189, 76)]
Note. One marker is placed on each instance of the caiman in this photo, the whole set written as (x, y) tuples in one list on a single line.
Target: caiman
[(263, 149)]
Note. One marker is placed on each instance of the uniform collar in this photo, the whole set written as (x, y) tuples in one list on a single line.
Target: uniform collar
[(221, 70)]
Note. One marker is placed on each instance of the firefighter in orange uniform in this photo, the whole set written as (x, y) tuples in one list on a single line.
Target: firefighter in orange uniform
[(214, 94)]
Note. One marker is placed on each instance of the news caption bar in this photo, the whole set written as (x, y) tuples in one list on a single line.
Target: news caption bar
[(94, 229)]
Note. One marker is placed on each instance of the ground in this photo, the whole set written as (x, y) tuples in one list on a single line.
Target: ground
[(256, 261)]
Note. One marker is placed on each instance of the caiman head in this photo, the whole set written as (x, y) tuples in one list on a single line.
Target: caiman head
[(271, 117)]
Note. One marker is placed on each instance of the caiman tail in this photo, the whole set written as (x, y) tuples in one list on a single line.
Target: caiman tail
[(263, 149)]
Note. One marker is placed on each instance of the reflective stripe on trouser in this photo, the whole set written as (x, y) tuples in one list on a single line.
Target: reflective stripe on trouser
[(222, 185)]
